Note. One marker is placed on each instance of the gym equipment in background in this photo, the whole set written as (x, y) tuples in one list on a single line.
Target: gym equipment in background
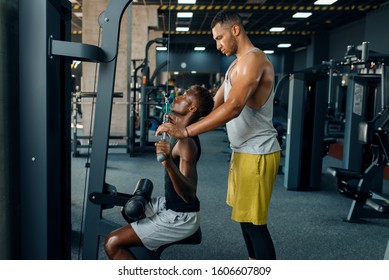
[(365, 131)]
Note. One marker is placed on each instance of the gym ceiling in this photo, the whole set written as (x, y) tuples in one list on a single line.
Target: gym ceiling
[(258, 16)]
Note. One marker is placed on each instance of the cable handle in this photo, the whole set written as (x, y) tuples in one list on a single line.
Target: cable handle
[(161, 156)]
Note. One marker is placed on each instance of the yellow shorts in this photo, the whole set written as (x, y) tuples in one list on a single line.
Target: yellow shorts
[(250, 185)]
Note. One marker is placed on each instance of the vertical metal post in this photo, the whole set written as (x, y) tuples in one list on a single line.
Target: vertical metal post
[(293, 141), (383, 86), (305, 131), (144, 108), (94, 225)]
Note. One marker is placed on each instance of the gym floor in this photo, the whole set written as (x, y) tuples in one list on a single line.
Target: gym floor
[(304, 225)]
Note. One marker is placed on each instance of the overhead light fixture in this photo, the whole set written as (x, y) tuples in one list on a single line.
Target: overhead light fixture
[(75, 63), (176, 73), (302, 15), (325, 2), (182, 29), (193, 72), (186, 1), (268, 51), (199, 49), (277, 29), (284, 45), (184, 14), (161, 49)]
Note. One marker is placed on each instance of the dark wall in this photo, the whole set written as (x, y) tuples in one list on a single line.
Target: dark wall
[(202, 62), (352, 34), (377, 24), (371, 29), (185, 80), (206, 64)]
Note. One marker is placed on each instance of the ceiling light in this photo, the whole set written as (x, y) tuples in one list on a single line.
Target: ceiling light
[(277, 29), (302, 15), (161, 48), (182, 29), (75, 63), (199, 49), (268, 51), (325, 2), (285, 45), (186, 1), (193, 72), (184, 15)]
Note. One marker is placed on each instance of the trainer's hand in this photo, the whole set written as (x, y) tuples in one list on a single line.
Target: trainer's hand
[(172, 130)]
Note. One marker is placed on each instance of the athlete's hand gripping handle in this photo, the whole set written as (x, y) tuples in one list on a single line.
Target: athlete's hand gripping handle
[(161, 156)]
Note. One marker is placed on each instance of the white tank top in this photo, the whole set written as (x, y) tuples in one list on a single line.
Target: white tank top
[(252, 132)]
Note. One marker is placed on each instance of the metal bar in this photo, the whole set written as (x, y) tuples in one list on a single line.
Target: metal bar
[(383, 86), (78, 51), (386, 257)]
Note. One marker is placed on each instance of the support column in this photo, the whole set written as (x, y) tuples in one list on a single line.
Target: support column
[(144, 19)]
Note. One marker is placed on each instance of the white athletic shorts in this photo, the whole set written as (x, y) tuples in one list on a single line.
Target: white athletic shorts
[(164, 226)]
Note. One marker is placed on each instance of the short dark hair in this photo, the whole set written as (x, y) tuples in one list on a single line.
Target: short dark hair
[(204, 100), (226, 16)]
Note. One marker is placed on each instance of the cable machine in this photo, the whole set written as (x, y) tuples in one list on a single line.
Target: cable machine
[(45, 107), (45, 98)]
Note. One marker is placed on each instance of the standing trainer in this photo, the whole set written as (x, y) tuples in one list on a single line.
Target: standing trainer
[(244, 102)]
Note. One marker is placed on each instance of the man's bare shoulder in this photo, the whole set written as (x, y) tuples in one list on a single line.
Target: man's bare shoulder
[(253, 61), (256, 56), (185, 148)]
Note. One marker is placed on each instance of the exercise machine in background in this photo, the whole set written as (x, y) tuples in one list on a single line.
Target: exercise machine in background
[(305, 139), (360, 186), (326, 104), (366, 134)]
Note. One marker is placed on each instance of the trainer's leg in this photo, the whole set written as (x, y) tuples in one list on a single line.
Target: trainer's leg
[(117, 242), (249, 245), (261, 241)]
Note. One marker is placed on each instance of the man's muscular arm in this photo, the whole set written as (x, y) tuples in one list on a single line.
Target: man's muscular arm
[(219, 97), (184, 179)]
